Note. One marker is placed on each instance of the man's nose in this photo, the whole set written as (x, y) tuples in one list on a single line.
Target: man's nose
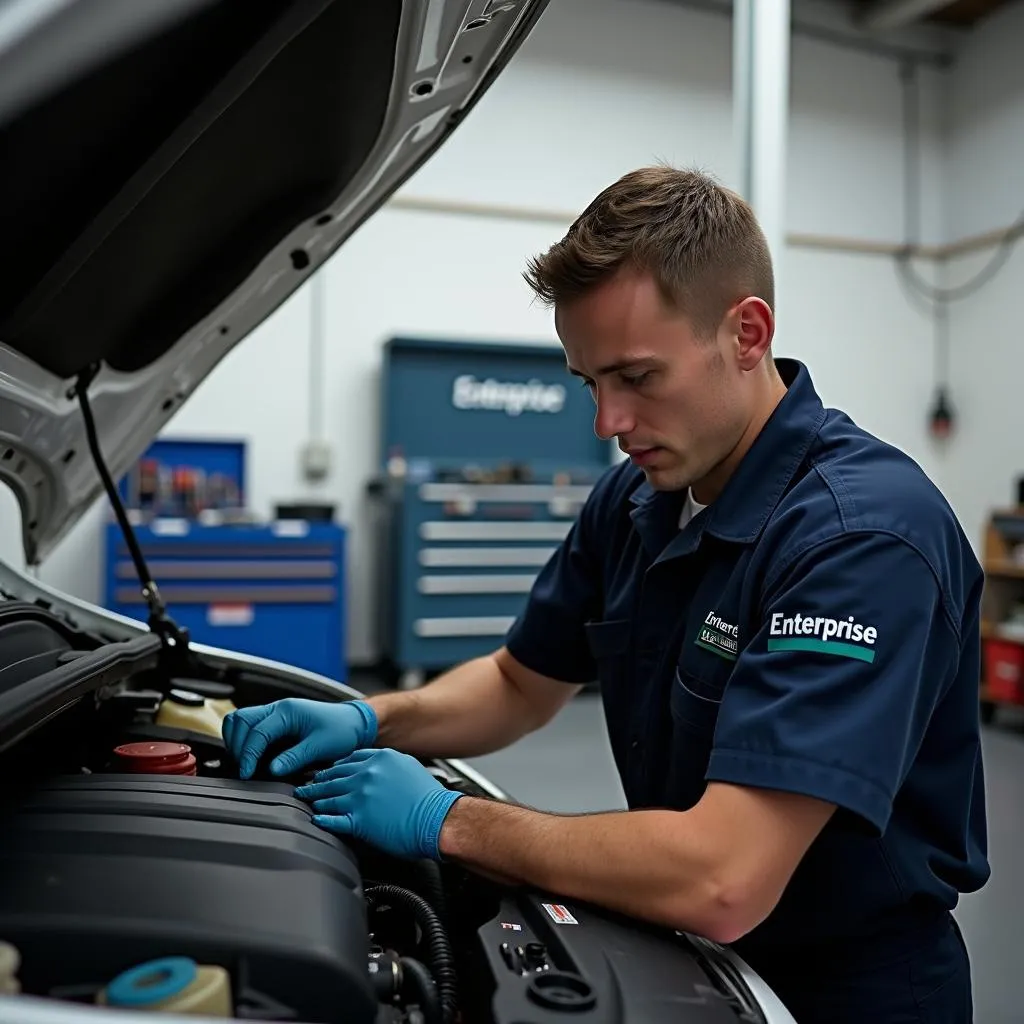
[(612, 419)]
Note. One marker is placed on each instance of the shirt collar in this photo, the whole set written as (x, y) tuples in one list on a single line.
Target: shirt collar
[(741, 511)]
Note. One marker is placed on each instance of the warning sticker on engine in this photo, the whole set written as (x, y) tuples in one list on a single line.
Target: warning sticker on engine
[(559, 914)]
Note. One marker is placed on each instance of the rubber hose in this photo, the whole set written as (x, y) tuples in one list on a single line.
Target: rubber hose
[(442, 959), (422, 986), (432, 887)]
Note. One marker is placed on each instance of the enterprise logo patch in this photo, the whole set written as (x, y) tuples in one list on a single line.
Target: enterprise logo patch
[(845, 638)]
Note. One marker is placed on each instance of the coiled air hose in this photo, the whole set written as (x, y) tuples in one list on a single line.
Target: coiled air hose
[(442, 959)]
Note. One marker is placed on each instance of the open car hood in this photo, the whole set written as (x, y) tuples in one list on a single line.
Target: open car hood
[(172, 171)]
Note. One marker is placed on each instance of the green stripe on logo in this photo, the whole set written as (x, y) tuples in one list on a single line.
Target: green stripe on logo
[(807, 643)]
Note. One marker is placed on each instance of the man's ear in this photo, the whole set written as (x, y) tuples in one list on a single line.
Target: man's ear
[(753, 325)]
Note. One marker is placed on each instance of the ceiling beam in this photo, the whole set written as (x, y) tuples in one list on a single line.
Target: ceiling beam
[(885, 15)]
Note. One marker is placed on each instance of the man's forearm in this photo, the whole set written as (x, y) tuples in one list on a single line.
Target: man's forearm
[(631, 862), (471, 710)]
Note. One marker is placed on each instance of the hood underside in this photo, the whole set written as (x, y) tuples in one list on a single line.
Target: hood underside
[(172, 170)]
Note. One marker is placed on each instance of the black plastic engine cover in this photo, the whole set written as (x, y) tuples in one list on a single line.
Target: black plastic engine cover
[(101, 872), (550, 962)]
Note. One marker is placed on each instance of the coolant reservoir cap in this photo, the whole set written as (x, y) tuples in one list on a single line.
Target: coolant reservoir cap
[(158, 758), (187, 698), (152, 982), (203, 687)]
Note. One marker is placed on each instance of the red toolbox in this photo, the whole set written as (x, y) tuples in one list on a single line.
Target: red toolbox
[(1004, 670)]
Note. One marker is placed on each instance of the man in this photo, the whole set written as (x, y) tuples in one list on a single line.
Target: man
[(783, 614)]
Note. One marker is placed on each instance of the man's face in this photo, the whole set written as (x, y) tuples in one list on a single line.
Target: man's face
[(677, 403)]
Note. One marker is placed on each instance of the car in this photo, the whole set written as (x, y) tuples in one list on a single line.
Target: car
[(172, 171)]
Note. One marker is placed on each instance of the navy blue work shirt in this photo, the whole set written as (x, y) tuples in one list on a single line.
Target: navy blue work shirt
[(815, 630)]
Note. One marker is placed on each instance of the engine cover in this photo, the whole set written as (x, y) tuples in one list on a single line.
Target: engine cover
[(551, 963), (99, 873)]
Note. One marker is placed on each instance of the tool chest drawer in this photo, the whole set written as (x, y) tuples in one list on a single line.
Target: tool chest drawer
[(473, 553), (275, 590)]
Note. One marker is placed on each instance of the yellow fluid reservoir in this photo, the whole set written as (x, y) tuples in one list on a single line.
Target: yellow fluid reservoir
[(173, 984), (221, 705), (10, 961), (183, 709)]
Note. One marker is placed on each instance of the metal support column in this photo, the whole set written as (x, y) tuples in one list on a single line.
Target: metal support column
[(761, 34)]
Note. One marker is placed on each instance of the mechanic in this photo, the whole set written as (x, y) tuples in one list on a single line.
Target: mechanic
[(783, 615)]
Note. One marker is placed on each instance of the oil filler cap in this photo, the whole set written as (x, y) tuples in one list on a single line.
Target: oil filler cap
[(568, 993), (156, 758)]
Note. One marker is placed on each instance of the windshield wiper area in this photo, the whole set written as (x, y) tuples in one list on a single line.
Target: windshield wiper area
[(175, 638)]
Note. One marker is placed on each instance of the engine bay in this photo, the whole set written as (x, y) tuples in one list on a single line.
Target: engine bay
[(137, 871), (103, 873)]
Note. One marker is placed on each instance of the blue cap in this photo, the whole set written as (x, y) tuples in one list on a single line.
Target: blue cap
[(152, 982)]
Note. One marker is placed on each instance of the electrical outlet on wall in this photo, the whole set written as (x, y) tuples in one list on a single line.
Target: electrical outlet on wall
[(316, 460)]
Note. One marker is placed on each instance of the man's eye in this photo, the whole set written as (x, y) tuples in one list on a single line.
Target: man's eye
[(636, 379)]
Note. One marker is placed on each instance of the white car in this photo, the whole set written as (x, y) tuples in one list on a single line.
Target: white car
[(172, 170)]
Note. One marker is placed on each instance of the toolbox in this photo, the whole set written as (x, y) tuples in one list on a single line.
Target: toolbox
[(274, 590), (487, 455), (1004, 669)]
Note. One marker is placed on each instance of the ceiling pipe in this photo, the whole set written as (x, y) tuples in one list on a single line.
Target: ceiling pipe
[(886, 15), (855, 41)]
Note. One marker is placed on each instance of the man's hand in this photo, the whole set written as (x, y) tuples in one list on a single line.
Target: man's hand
[(325, 731), (383, 797)]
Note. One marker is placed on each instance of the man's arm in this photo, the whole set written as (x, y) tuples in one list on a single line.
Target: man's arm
[(476, 708), (716, 870)]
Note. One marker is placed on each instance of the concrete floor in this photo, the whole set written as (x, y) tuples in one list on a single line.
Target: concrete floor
[(566, 767)]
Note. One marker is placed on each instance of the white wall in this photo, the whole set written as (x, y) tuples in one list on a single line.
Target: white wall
[(601, 87), (846, 153), (986, 454), (987, 154), (987, 369)]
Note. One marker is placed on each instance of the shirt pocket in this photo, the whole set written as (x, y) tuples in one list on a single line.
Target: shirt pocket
[(695, 702), (699, 686)]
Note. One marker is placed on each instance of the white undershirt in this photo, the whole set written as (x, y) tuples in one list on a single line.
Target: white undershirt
[(690, 509)]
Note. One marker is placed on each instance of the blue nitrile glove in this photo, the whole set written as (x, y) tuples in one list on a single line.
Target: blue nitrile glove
[(325, 731), (383, 797)]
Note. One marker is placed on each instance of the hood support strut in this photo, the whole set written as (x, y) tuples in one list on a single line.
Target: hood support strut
[(175, 638)]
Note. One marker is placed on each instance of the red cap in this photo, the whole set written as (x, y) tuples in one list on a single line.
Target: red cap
[(157, 758)]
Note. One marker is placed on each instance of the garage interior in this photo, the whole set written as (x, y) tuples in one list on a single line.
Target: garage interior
[(880, 142)]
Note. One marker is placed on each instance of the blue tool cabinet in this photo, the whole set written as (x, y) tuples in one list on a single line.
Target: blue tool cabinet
[(275, 590), (487, 455)]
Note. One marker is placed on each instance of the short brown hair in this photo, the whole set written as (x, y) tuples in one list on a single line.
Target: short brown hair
[(700, 241)]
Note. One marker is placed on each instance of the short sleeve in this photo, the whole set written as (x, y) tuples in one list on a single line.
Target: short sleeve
[(549, 636), (833, 695)]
